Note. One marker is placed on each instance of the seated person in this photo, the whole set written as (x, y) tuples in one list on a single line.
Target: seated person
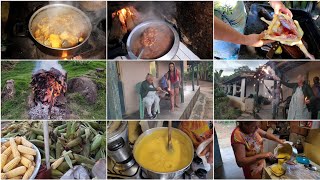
[(149, 96)]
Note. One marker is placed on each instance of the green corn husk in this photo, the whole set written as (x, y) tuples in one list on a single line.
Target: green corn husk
[(74, 142), (82, 159)]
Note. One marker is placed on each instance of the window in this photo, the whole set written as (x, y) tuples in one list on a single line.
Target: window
[(154, 69)]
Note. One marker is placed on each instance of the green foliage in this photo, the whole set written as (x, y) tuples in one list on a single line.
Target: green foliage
[(21, 73), (222, 109)]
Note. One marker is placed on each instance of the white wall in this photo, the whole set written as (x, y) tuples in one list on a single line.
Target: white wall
[(132, 73)]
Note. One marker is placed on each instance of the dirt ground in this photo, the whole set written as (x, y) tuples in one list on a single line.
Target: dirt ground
[(224, 130), (203, 108)]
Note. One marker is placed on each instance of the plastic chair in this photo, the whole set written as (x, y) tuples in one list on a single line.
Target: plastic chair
[(141, 104)]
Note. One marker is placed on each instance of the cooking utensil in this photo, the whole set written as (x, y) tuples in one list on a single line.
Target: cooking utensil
[(50, 9), (158, 175), (118, 144), (275, 46), (138, 30), (170, 148), (139, 57)]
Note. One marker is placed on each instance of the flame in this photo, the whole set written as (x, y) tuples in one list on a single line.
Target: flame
[(64, 55), (123, 14)]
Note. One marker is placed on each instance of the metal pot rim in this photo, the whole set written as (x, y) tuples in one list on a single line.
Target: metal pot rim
[(118, 132), (172, 50), (149, 131), (86, 18)]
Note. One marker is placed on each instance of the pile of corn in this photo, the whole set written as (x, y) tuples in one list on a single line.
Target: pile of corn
[(17, 159), (71, 143)]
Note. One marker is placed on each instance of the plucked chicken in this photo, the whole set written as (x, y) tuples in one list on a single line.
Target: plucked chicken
[(287, 31)]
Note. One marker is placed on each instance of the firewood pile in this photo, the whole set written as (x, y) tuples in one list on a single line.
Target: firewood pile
[(47, 86), (123, 21)]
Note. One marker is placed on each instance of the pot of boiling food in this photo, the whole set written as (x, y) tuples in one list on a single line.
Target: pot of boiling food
[(151, 153), (153, 39), (59, 29)]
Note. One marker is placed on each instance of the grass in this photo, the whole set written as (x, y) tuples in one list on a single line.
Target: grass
[(20, 72)]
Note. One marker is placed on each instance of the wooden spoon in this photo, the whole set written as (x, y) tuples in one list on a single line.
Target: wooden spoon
[(170, 148)]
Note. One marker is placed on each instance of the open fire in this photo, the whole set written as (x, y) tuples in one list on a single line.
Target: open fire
[(47, 87)]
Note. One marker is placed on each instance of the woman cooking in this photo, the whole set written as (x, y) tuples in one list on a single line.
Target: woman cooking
[(247, 144), (302, 95), (173, 80)]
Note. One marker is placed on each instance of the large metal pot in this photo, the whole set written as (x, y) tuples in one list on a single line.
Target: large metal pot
[(159, 175), (46, 11), (138, 30)]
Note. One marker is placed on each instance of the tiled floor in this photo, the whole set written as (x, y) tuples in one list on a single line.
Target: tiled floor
[(229, 169)]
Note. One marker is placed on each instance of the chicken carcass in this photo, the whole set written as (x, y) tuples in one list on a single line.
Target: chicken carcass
[(287, 31)]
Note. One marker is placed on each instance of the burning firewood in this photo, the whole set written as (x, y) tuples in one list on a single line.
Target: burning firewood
[(47, 86), (123, 21)]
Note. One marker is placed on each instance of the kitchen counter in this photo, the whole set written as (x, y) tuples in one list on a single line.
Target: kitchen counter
[(294, 172)]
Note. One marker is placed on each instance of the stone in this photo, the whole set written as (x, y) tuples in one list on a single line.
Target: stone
[(85, 86)]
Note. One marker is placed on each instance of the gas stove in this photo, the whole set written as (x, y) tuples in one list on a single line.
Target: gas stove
[(17, 42)]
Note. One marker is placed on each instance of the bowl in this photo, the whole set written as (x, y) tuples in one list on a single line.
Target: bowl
[(38, 159)]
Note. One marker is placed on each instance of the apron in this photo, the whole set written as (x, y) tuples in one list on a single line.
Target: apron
[(298, 109), (234, 14)]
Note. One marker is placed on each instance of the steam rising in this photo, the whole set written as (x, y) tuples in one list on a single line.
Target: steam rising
[(47, 65)]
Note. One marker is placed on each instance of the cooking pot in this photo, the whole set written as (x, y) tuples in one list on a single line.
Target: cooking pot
[(160, 175), (47, 11), (138, 30)]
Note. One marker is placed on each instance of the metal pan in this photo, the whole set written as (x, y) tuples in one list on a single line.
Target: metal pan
[(46, 11)]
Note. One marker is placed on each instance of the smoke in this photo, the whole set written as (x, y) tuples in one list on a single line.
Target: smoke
[(47, 65)]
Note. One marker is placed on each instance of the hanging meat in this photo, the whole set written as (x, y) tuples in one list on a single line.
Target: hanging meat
[(287, 31)]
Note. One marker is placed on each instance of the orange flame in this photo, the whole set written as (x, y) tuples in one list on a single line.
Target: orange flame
[(64, 55), (123, 14)]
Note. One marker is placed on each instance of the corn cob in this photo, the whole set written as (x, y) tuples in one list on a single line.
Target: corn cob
[(37, 131), (74, 142), (14, 149), (7, 151), (28, 173), (3, 160), (27, 150), (11, 164), (26, 142), (16, 172), (28, 156), (82, 159), (26, 162), (96, 143), (3, 176), (3, 148), (55, 172), (7, 144), (10, 157), (57, 163), (17, 140), (16, 177)]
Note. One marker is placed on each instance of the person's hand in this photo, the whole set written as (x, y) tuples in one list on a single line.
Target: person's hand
[(256, 40), (276, 78), (307, 101), (159, 89), (278, 7), (208, 149), (268, 155), (282, 141)]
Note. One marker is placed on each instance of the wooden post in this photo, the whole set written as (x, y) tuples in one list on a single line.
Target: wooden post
[(113, 99), (198, 74), (192, 67), (182, 83)]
